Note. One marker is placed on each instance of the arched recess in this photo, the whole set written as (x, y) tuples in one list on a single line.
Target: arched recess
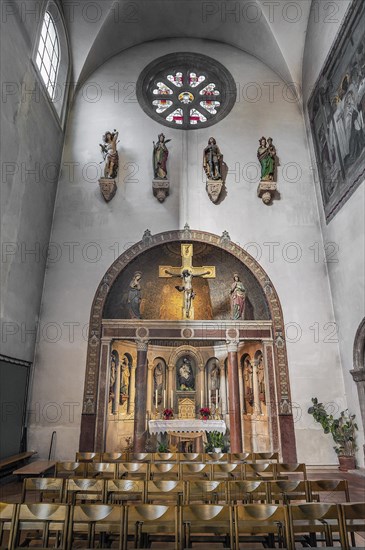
[(358, 373), (274, 347)]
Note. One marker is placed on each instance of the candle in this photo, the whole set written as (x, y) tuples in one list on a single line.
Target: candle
[(216, 398), (172, 399), (164, 399), (201, 397), (156, 399), (210, 400)]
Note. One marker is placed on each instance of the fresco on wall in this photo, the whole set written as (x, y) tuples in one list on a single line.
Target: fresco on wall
[(337, 114)]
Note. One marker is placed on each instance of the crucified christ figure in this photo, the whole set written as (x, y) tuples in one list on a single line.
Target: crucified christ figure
[(186, 287)]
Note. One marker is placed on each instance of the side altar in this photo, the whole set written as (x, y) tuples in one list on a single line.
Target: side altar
[(188, 433)]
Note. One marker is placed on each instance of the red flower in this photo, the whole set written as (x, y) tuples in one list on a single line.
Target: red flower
[(168, 413), (205, 411)]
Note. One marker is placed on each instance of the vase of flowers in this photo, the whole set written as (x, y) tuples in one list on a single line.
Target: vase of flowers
[(168, 414), (204, 413)]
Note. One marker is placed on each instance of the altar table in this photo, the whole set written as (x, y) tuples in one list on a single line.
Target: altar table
[(189, 432)]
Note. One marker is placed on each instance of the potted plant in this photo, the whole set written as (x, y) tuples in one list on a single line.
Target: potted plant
[(204, 413), (343, 430), (216, 441)]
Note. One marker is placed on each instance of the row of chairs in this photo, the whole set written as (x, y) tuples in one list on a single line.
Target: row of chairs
[(103, 525), (128, 456), (174, 470), (121, 491)]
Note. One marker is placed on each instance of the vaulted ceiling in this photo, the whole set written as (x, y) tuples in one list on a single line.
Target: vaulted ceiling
[(272, 31)]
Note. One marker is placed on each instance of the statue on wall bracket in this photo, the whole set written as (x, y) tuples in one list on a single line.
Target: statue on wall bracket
[(266, 154), (213, 165), (108, 185), (160, 183)]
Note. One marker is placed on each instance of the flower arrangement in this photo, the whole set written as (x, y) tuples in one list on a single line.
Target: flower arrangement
[(205, 412), (168, 413)]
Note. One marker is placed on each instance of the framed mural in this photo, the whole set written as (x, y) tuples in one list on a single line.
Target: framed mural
[(337, 114)]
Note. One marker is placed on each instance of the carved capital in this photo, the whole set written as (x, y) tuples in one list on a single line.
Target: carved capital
[(232, 345), (358, 375), (142, 344)]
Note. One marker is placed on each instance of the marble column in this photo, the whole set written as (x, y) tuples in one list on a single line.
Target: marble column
[(132, 390), (271, 395), (140, 402), (149, 388), (242, 397), (103, 395), (223, 389), (234, 409), (116, 400)]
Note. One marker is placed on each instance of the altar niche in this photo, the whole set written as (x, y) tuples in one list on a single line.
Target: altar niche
[(160, 330)]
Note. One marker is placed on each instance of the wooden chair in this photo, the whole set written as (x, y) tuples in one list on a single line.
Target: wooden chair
[(317, 489), (134, 470), (42, 489), (266, 457), (87, 457), (205, 492), (265, 471), (102, 470), (79, 490), (240, 457), (312, 522), (216, 457), (70, 469), (113, 457), (164, 470), (195, 470), (285, 491), (122, 491), (140, 457), (206, 523), (191, 457), (145, 523), (352, 517), (165, 457), (42, 522), (165, 492), (226, 471), (99, 525), (7, 520), (285, 471), (265, 523), (247, 492)]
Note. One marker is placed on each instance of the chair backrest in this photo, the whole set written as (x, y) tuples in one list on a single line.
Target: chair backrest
[(165, 470), (51, 520), (318, 486), (285, 491), (124, 490), (94, 521), (291, 468), (140, 457), (87, 457), (266, 457), (241, 457), (113, 457), (261, 469), (205, 491), (247, 491), (171, 490), (70, 469), (216, 457), (137, 470), (191, 457), (210, 519), (43, 488), (195, 470), (105, 470), (7, 519), (84, 489), (227, 471), (148, 519), (352, 516), (164, 457)]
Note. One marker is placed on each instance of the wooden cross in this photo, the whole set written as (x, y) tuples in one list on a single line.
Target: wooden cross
[(186, 272)]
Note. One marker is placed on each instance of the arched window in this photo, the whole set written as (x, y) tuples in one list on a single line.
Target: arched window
[(48, 54), (51, 57)]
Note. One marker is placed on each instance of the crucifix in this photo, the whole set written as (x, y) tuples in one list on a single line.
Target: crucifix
[(186, 272)]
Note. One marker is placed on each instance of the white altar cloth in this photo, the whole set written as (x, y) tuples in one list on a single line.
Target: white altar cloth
[(162, 426)]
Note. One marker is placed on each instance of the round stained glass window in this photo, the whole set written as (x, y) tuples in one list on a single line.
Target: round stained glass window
[(186, 91)]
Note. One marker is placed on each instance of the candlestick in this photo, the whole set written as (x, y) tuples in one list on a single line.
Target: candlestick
[(156, 399), (201, 398), (164, 399), (172, 399), (216, 398)]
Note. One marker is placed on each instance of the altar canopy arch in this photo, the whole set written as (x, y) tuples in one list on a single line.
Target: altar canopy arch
[(203, 338)]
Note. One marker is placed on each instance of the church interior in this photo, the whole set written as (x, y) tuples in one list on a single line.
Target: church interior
[(183, 307)]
